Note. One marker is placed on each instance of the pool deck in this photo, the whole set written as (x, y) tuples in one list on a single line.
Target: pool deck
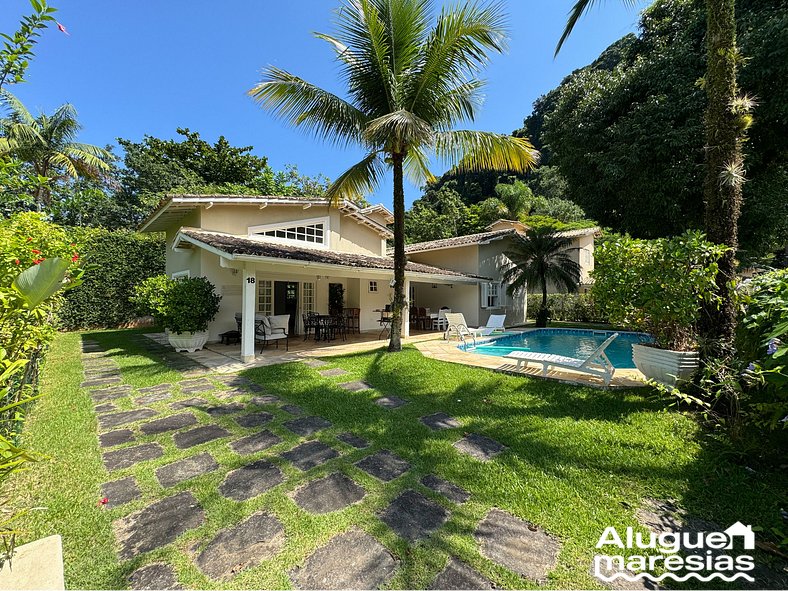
[(449, 351)]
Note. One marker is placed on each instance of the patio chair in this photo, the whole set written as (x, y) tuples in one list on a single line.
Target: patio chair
[(596, 364), (494, 324), (273, 328), (457, 325), (440, 322), (310, 323)]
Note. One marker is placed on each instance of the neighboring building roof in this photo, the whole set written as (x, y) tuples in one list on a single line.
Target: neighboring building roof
[(174, 208), (458, 241), (502, 224), (382, 210), (235, 247)]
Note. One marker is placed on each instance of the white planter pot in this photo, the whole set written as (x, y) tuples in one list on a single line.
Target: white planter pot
[(188, 341), (663, 366)]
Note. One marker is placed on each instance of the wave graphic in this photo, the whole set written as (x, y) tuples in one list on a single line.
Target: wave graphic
[(650, 577)]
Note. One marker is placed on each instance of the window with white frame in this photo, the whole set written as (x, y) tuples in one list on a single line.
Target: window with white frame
[(491, 295), (181, 274), (373, 287), (307, 298), (308, 232), (265, 297)]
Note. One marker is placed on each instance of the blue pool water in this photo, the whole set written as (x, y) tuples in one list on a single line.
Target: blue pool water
[(568, 342)]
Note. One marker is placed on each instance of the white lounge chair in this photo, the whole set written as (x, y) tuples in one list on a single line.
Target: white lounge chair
[(494, 324), (596, 364)]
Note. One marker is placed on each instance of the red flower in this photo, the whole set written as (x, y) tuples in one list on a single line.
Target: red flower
[(29, 239), (102, 502), (75, 258), (16, 261), (73, 244), (36, 261), (36, 251)]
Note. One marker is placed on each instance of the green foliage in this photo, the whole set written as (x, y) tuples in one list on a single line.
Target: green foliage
[(567, 307), (18, 47), (657, 286), (180, 305), (441, 213), (116, 261)]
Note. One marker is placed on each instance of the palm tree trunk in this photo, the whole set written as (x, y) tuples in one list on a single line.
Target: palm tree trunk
[(395, 342), (541, 318), (724, 163)]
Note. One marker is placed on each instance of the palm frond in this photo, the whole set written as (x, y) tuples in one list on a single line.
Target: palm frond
[(398, 130), (417, 168), (63, 162), (306, 105), (473, 151), (578, 10), (18, 111), (357, 181), (87, 158)]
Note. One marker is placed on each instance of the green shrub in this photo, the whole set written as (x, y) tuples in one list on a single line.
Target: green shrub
[(182, 305), (116, 261), (566, 307), (656, 286)]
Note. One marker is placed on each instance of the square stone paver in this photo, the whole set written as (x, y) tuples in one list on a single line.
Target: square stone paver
[(306, 426), (256, 419), (353, 560), (171, 423), (106, 407), (448, 489), (154, 576), (310, 454), (199, 385), (384, 465), (113, 438), (152, 397), (413, 516), (177, 472), (356, 386), (334, 371), (189, 403), (440, 421), (265, 400), (245, 545), (157, 388), (251, 480), (458, 575), (219, 410), (479, 447), (120, 492), (157, 524), (199, 435), (518, 545), (128, 456), (315, 363), (332, 493), (257, 442), (390, 402), (354, 440), (116, 419), (111, 392), (292, 409)]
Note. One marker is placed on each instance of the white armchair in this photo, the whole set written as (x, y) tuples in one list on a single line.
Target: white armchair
[(273, 328)]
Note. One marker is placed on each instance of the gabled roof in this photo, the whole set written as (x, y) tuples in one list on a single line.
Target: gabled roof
[(173, 208), (235, 247), (458, 241)]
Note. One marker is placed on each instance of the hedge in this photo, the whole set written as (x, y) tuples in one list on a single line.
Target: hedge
[(566, 307), (116, 260)]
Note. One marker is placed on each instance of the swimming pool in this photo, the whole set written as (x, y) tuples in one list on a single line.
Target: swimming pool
[(565, 341)]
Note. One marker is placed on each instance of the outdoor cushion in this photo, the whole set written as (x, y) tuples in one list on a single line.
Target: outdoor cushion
[(264, 327), (279, 323)]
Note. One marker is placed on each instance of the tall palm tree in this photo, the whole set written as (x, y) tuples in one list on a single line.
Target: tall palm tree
[(48, 143), (409, 84), (538, 259), (727, 118)]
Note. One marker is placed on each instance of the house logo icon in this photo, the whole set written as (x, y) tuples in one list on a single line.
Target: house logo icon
[(742, 531)]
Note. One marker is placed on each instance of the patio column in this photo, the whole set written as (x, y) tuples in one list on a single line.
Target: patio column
[(249, 295), (406, 311)]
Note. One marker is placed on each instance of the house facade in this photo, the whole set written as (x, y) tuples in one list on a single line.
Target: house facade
[(285, 255)]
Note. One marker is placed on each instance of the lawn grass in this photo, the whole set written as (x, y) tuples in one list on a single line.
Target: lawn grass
[(578, 460)]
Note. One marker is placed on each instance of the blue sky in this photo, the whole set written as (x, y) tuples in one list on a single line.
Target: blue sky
[(150, 66)]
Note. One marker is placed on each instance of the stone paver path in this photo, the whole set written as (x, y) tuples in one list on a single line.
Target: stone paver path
[(440, 421), (333, 372), (448, 489), (185, 469), (310, 455), (257, 442), (390, 402), (356, 386), (120, 492), (116, 419), (251, 480), (458, 575), (353, 560), (354, 440), (479, 447), (170, 423), (517, 545), (256, 419), (237, 548), (154, 576), (332, 493), (113, 438), (306, 426), (413, 516), (128, 456), (157, 524), (384, 465), (199, 435)]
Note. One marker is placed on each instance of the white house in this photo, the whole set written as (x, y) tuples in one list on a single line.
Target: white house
[(279, 255)]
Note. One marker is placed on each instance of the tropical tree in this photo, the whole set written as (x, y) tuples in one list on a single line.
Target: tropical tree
[(539, 259), (726, 120), (48, 144), (409, 84)]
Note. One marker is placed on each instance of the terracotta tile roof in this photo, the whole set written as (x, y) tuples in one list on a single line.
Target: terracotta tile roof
[(245, 246), (458, 241)]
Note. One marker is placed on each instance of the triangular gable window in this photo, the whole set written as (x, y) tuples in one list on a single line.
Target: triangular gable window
[(307, 232)]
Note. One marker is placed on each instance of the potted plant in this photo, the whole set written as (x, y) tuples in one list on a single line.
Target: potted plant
[(657, 287), (183, 306)]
